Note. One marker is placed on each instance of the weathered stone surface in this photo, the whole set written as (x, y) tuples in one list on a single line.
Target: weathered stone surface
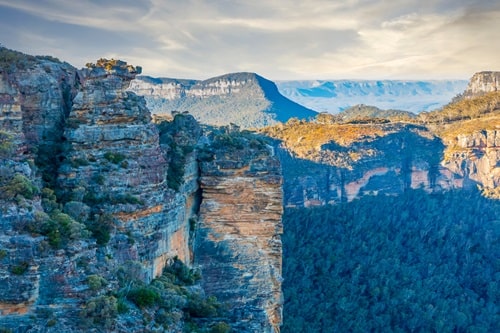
[(398, 158), (482, 83), (238, 245), (477, 158), (114, 164)]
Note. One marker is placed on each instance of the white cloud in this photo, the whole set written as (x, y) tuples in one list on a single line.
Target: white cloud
[(280, 39)]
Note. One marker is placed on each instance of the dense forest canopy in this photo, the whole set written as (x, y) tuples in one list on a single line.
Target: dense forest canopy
[(416, 263)]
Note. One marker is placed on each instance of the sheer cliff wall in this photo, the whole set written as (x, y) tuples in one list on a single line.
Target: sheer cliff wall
[(238, 245)]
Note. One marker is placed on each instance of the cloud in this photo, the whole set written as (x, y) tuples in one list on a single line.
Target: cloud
[(280, 39)]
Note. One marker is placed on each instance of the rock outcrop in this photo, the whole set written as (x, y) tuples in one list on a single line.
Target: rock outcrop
[(244, 99), (482, 83), (95, 198), (238, 246), (34, 97), (476, 157), (114, 166)]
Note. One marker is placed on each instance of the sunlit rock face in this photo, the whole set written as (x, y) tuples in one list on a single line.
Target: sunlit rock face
[(476, 157), (115, 165), (482, 83), (238, 246)]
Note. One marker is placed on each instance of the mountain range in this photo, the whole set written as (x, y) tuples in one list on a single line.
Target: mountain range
[(245, 99), (334, 96)]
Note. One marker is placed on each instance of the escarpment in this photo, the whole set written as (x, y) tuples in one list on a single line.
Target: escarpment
[(238, 246), (482, 83), (114, 173), (245, 99), (97, 201)]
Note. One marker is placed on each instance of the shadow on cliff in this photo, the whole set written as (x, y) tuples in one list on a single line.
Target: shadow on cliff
[(409, 157)]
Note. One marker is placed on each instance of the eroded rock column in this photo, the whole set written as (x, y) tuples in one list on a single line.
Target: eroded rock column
[(239, 236)]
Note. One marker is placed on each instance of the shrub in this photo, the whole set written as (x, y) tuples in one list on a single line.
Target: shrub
[(20, 268), (60, 228), (99, 311), (143, 296), (200, 307), (18, 185), (78, 162), (96, 282), (101, 228), (114, 158), (6, 144), (220, 327)]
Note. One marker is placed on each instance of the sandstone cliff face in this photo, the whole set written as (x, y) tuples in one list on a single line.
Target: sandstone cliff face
[(128, 199), (476, 157), (482, 83), (111, 170), (115, 166), (238, 246), (34, 96), (390, 160)]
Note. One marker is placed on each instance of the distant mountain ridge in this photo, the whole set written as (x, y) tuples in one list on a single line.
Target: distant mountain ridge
[(245, 99), (334, 96)]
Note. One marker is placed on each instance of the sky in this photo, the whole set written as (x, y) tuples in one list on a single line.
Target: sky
[(278, 39)]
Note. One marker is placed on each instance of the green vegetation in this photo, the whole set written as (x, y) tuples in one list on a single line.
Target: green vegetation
[(99, 311), (20, 268), (464, 109), (11, 60), (417, 263), (169, 300), (58, 227), (6, 144), (178, 137), (115, 158), (143, 297), (18, 185), (96, 282), (101, 227), (373, 114)]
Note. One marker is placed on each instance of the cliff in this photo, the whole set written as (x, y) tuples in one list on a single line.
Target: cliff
[(114, 167), (482, 83), (99, 207), (325, 163), (244, 99), (239, 246)]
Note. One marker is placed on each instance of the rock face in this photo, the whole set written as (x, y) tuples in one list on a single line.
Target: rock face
[(114, 165), (383, 159), (245, 99), (238, 246), (482, 83), (397, 158), (34, 96), (92, 193), (476, 157)]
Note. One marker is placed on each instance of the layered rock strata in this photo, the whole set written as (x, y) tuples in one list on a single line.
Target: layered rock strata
[(476, 157), (35, 95), (238, 246), (482, 83), (115, 166)]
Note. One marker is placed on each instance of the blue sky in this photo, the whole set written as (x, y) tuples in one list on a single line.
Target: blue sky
[(279, 39)]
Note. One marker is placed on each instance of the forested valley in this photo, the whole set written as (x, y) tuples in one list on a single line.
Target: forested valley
[(413, 263)]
